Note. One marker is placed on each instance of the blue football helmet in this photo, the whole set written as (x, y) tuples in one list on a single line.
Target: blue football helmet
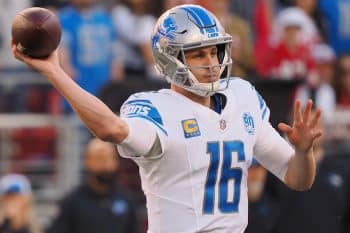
[(188, 27)]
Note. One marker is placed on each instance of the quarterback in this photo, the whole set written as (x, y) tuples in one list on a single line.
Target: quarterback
[(194, 142)]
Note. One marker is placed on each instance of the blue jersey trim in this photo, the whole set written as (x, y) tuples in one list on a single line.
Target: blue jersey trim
[(139, 104), (261, 100), (262, 105), (143, 108), (264, 113)]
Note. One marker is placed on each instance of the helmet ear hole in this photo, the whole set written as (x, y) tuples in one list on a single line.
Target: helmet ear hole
[(180, 58), (224, 73), (221, 52)]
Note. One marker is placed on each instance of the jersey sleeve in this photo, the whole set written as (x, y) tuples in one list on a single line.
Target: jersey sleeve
[(264, 111), (147, 135), (271, 150)]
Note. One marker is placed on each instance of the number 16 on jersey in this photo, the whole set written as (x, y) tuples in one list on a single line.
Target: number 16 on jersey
[(221, 180)]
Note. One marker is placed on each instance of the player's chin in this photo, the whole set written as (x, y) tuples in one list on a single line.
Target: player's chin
[(211, 78)]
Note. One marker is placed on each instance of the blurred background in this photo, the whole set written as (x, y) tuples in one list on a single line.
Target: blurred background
[(289, 49)]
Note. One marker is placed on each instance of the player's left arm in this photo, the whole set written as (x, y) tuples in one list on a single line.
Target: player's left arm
[(302, 134)]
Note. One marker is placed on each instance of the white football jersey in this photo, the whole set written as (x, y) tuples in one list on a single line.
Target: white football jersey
[(199, 181)]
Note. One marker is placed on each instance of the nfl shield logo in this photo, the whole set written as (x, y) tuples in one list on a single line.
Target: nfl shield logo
[(248, 122), (222, 124)]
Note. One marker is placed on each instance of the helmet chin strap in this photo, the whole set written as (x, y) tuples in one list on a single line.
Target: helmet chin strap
[(203, 93), (198, 88), (203, 89)]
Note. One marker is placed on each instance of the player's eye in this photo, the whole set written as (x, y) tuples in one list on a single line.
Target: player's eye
[(198, 55), (214, 52), (201, 55)]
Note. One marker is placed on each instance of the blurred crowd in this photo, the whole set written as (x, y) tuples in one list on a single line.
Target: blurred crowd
[(106, 41), (301, 47)]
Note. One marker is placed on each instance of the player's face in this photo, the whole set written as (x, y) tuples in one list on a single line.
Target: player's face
[(199, 60)]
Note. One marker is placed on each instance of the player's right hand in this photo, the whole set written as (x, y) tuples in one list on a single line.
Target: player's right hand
[(44, 66)]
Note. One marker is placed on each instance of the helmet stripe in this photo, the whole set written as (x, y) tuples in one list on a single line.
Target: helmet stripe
[(204, 16), (198, 21), (204, 21)]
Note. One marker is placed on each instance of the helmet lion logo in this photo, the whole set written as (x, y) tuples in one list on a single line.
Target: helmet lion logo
[(170, 26), (167, 29)]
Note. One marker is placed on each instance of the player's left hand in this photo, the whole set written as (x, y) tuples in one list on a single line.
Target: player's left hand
[(303, 131)]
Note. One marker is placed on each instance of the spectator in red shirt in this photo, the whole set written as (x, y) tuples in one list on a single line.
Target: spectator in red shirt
[(288, 56)]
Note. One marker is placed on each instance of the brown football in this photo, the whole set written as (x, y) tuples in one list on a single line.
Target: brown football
[(36, 32)]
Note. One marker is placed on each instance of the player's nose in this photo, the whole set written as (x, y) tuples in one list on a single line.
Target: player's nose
[(211, 60), (212, 63)]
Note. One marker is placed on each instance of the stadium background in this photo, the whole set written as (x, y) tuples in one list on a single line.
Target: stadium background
[(43, 140)]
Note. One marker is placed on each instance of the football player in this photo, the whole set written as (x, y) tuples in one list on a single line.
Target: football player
[(194, 142)]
